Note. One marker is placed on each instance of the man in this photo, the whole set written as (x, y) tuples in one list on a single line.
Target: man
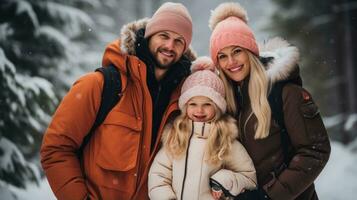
[(153, 58)]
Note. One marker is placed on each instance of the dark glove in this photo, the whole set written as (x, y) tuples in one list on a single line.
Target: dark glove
[(258, 194), (215, 185)]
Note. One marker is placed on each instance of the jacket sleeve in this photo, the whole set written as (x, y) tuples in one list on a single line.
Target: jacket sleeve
[(70, 123), (310, 144), (238, 173), (160, 177)]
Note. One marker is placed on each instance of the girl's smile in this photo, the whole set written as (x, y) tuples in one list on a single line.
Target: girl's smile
[(200, 109)]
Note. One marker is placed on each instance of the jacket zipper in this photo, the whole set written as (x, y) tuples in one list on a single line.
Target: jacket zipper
[(203, 129), (241, 102), (240, 126), (185, 172), (240, 95), (138, 168), (240, 114), (245, 124), (140, 152)]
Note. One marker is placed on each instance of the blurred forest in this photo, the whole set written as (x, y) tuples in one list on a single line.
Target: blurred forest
[(325, 32), (46, 45)]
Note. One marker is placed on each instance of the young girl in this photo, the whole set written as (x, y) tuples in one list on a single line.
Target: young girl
[(201, 145)]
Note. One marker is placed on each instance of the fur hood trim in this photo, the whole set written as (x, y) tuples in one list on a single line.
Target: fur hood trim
[(285, 58), (128, 38)]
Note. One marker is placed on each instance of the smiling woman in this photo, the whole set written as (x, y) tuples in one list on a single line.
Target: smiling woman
[(279, 123), (234, 62)]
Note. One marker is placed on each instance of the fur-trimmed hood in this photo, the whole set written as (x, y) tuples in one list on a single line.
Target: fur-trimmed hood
[(128, 38), (280, 59)]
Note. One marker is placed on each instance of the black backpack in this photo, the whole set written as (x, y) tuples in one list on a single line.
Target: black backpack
[(111, 93)]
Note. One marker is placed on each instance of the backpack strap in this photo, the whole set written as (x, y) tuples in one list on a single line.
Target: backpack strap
[(111, 93), (276, 104)]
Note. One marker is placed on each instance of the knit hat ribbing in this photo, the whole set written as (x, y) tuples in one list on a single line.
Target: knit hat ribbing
[(203, 83), (229, 27), (171, 17)]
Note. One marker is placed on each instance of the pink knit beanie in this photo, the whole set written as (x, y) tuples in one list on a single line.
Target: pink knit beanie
[(171, 17), (228, 23), (203, 83)]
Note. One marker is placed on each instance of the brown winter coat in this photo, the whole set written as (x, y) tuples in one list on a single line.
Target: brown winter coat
[(117, 158), (310, 147)]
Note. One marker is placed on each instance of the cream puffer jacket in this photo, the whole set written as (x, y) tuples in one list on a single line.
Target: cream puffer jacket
[(187, 178)]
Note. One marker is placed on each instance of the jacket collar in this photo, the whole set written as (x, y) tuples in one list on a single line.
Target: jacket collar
[(200, 129)]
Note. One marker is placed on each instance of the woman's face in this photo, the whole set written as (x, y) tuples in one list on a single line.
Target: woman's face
[(234, 62)]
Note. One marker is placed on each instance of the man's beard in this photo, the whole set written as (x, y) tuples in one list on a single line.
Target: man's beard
[(167, 65), (162, 66)]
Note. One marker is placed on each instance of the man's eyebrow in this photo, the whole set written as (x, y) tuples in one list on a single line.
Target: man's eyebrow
[(180, 38)]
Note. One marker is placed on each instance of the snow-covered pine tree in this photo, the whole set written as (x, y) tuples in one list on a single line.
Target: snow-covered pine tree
[(41, 43)]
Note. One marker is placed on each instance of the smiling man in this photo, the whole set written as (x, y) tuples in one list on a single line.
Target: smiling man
[(153, 58)]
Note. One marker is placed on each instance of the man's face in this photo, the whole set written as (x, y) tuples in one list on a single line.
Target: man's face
[(167, 48)]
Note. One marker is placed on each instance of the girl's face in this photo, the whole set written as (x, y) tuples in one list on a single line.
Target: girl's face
[(200, 109), (234, 62)]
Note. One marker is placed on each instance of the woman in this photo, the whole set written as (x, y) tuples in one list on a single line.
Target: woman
[(248, 82)]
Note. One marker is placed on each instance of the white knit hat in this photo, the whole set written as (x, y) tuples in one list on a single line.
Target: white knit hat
[(203, 83)]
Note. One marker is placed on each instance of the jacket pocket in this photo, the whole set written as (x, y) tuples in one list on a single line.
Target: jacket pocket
[(313, 122), (119, 142), (309, 110), (116, 157)]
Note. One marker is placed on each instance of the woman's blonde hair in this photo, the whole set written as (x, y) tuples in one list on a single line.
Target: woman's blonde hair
[(258, 88), (223, 132)]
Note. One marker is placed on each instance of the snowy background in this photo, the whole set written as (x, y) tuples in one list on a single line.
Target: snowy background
[(46, 45)]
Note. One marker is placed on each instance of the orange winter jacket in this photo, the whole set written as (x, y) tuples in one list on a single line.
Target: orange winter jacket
[(117, 158)]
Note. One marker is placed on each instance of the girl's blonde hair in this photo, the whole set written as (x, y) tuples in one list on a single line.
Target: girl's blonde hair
[(222, 134), (258, 88)]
